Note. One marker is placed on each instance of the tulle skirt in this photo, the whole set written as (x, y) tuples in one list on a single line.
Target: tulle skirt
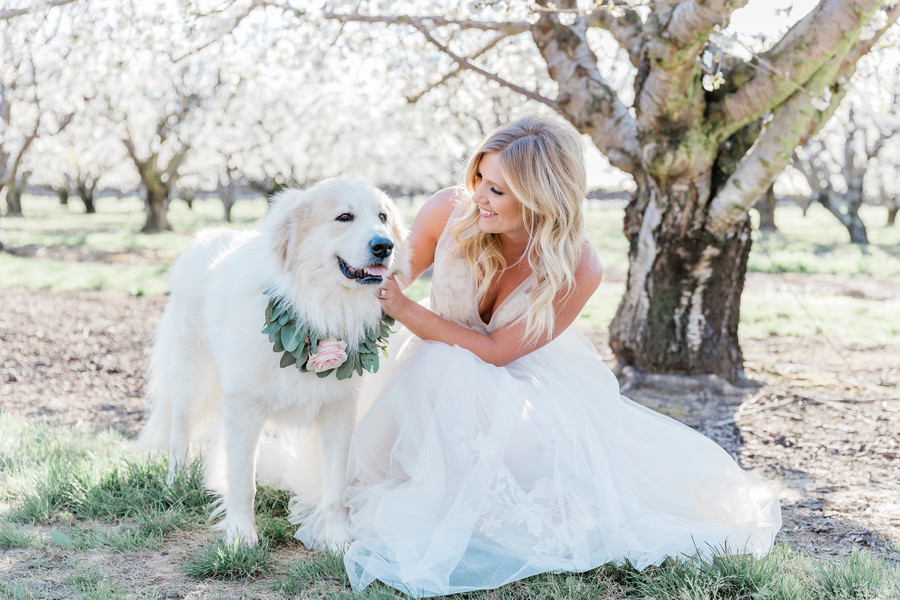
[(468, 476)]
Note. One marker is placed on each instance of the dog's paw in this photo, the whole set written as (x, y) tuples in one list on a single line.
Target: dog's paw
[(324, 529), (336, 537), (240, 533)]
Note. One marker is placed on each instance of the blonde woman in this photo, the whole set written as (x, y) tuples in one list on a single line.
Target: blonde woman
[(498, 446)]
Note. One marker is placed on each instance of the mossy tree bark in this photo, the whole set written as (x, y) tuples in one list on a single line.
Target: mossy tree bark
[(701, 159)]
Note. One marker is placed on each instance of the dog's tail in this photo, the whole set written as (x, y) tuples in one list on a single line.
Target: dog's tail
[(155, 434)]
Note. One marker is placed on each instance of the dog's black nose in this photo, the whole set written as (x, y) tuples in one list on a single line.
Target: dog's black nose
[(381, 247)]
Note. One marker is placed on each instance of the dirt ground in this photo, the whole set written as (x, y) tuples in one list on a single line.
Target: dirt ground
[(824, 427)]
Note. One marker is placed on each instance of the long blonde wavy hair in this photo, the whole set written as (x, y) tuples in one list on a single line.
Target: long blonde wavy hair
[(542, 163)]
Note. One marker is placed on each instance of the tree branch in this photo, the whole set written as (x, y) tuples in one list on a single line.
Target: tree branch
[(508, 27), (128, 141), (820, 37), (175, 163), (795, 122), (458, 68), (10, 13), (768, 157), (237, 21), (625, 29), (588, 102), (668, 88), (532, 95)]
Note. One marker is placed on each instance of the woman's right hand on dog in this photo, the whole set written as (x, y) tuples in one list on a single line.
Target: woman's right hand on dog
[(393, 301)]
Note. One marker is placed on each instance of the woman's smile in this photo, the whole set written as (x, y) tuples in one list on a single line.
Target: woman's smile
[(500, 211)]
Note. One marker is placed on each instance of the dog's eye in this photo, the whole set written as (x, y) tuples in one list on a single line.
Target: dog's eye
[(383, 217), (344, 217)]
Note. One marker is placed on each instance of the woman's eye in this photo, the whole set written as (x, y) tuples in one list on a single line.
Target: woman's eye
[(383, 217), (344, 217), (496, 191), (478, 176)]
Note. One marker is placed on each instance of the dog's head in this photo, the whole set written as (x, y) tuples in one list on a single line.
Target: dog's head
[(340, 230)]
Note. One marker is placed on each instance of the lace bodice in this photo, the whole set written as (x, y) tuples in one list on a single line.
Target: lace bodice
[(453, 288)]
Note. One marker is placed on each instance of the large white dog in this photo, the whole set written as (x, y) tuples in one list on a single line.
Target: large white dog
[(276, 326)]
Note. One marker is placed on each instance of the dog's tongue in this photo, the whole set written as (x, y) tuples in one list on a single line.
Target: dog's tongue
[(376, 270)]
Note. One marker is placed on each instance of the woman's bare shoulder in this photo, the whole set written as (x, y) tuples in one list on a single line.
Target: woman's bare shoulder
[(589, 271), (436, 211)]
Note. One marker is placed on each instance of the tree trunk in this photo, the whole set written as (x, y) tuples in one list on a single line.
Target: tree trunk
[(857, 230), (891, 203), (63, 195), (765, 206), (14, 190), (227, 196), (805, 204), (681, 308), (86, 188), (156, 206), (849, 219)]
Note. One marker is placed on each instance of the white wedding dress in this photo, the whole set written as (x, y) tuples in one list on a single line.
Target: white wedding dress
[(468, 476)]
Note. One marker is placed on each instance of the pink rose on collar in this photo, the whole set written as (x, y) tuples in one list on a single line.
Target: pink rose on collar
[(330, 354)]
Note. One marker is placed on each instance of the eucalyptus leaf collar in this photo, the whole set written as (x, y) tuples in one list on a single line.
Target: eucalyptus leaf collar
[(302, 345)]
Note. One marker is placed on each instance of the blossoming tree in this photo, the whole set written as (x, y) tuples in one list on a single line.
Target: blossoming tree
[(702, 132)]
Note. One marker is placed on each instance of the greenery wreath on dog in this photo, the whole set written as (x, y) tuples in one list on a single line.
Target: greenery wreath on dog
[(308, 349)]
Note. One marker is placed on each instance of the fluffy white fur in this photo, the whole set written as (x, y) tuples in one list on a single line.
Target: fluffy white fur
[(212, 365)]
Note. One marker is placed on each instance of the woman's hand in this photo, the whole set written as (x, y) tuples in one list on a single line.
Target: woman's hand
[(393, 302)]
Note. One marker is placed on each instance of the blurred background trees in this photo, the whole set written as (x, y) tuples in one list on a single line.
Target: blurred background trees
[(685, 106)]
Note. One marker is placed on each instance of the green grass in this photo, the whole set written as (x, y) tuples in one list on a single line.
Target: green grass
[(228, 561), (818, 244), (815, 243), (811, 244), (321, 571), (848, 321), (89, 491), (117, 504)]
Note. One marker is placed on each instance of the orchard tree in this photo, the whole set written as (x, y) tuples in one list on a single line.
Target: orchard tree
[(30, 105), (299, 111), (20, 115), (882, 177), (703, 131), (81, 158), (154, 98), (840, 159)]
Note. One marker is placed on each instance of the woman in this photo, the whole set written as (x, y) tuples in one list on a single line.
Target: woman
[(498, 445)]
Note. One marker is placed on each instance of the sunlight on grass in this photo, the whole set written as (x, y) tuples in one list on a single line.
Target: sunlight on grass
[(134, 280), (849, 321), (817, 243)]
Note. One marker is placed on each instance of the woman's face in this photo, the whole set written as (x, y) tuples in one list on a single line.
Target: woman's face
[(501, 212)]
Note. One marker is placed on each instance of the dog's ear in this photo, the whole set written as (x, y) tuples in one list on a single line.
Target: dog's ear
[(282, 240), (401, 248), (292, 221)]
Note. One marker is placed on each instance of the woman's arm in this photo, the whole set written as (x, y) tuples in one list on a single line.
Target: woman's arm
[(507, 344)]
